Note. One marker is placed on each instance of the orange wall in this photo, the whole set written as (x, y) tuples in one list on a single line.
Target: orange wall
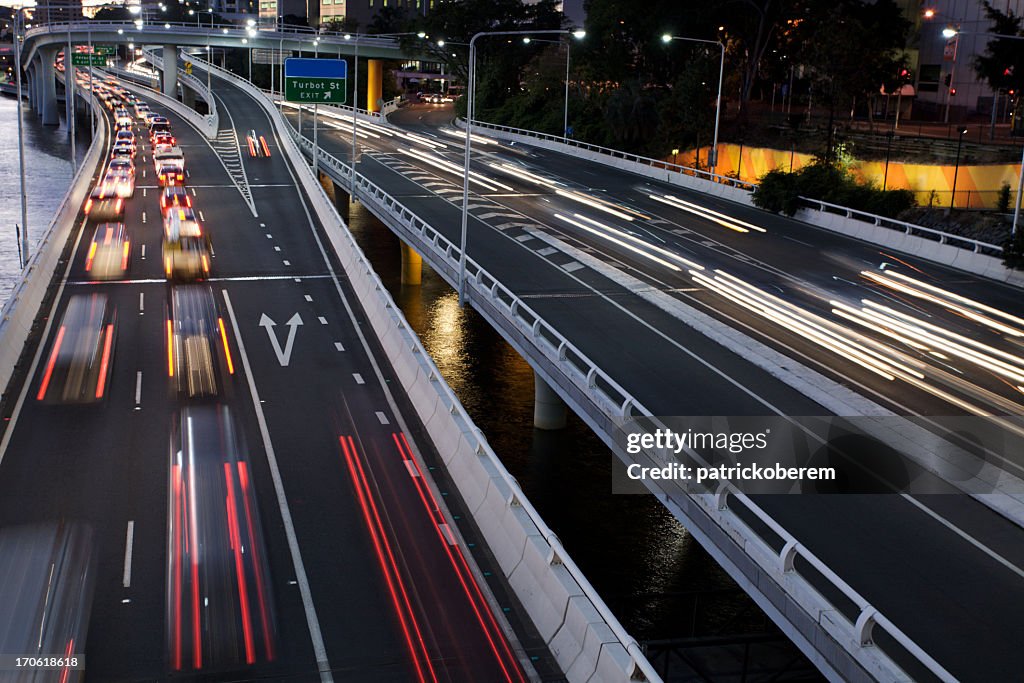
[(976, 186)]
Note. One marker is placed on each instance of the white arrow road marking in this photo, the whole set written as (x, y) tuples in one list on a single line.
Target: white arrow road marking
[(283, 357)]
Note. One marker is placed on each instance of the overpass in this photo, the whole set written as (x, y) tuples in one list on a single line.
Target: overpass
[(354, 531), (861, 583)]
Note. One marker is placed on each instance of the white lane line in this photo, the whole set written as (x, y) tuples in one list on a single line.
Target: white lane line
[(128, 543), (308, 297), (143, 252), (143, 192), (413, 472), (201, 216), (143, 216), (277, 248), (263, 225), (193, 190), (269, 236), (312, 623), (358, 378), (323, 320), (142, 303), (382, 417), (138, 389), (143, 173), (287, 263), (339, 346)]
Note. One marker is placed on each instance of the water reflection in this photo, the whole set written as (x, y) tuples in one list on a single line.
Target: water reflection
[(47, 176), (648, 568)]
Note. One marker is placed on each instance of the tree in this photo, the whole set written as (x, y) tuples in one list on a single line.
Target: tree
[(1002, 64), (848, 48)]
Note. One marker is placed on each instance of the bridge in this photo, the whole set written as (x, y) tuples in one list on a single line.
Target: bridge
[(713, 308), (329, 512)]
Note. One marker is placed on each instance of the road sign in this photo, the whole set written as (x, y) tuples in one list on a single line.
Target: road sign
[(315, 80), (84, 59), (104, 49), (188, 68)]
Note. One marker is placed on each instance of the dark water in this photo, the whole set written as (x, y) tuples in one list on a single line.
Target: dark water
[(47, 177), (645, 565)]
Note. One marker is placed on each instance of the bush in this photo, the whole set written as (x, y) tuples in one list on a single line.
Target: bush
[(1003, 203), (780, 191), (777, 193), (1013, 251)]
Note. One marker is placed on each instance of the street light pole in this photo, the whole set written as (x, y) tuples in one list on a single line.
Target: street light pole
[(956, 168), (565, 119), (470, 112), (713, 157), (355, 105), (1020, 187), (69, 100), (23, 237)]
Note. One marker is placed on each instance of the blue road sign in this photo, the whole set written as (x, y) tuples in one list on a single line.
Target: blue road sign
[(296, 67)]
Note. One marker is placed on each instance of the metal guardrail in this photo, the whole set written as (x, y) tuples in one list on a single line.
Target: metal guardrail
[(626, 156), (779, 564), (939, 236), (855, 635), (452, 402), (300, 33)]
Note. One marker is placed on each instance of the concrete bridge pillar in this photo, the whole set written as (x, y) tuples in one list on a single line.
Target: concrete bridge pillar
[(374, 84), (48, 86), (170, 84), (327, 183), (33, 82), (188, 97), (412, 266), (549, 410)]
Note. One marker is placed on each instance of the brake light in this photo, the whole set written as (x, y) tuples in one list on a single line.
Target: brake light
[(266, 149), (170, 349), (124, 256), (227, 351), (88, 205), (206, 264), (119, 205), (90, 256), (104, 364)]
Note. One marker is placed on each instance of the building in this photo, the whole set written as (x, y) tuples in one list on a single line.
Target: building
[(944, 75)]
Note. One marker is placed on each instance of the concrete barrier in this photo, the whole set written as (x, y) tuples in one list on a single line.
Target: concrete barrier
[(649, 168), (525, 547), (22, 308)]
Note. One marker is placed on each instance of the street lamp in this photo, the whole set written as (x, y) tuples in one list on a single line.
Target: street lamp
[(956, 168), (469, 126), (1016, 206), (18, 40), (666, 38)]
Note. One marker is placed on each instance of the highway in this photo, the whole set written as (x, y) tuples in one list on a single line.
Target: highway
[(292, 527), (944, 568)]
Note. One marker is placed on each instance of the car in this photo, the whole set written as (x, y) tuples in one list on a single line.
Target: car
[(104, 205), (122, 182), (47, 581), (125, 137), (257, 145), (124, 122), (80, 361), (174, 196), (125, 164), (215, 547), (162, 139), (198, 355), (167, 154), (170, 174), (141, 110), (150, 115), (434, 99), (186, 247), (109, 252), (158, 121), (122, 149)]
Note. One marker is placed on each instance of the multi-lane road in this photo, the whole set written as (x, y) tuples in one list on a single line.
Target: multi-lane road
[(292, 526), (586, 245)]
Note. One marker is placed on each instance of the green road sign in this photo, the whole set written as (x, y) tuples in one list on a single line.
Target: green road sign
[(313, 90), (104, 49), (315, 81), (83, 59)]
